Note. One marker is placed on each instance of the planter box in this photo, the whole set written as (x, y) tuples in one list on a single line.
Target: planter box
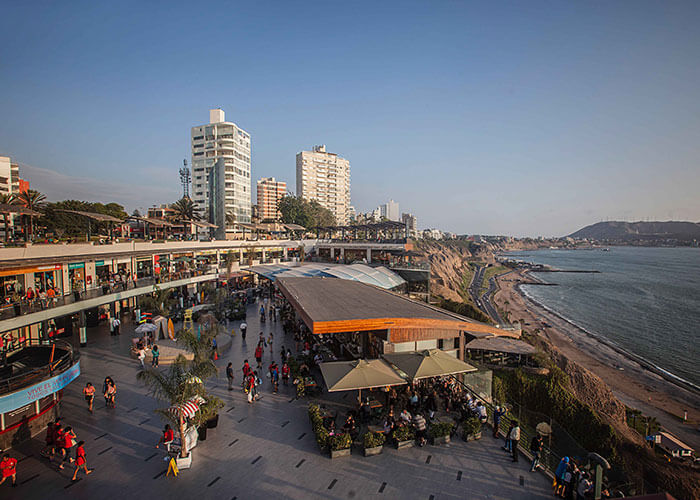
[(340, 453), (441, 440), (373, 451), (405, 444), (472, 437), (213, 422), (184, 463)]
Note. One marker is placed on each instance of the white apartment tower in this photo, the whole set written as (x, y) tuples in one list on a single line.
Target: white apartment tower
[(325, 177), (224, 140)]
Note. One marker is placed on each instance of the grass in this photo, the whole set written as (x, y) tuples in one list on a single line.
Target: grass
[(489, 273)]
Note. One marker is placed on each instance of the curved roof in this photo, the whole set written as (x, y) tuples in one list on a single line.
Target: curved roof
[(377, 276)]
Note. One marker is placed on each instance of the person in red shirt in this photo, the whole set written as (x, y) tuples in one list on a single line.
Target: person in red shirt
[(80, 461), (285, 373), (8, 465), (51, 429), (259, 355), (66, 442), (168, 436)]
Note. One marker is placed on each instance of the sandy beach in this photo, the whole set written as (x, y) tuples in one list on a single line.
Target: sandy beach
[(632, 383)]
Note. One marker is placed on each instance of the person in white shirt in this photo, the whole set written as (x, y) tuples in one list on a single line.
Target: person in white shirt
[(142, 357), (514, 437)]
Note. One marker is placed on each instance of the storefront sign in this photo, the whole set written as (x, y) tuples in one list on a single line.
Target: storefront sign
[(76, 265), (25, 270), (99, 263), (30, 394)]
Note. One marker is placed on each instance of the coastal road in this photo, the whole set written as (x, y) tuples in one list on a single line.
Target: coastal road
[(486, 301), (475, 287)]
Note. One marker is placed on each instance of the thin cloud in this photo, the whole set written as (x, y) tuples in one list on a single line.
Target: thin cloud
[(58, 186)]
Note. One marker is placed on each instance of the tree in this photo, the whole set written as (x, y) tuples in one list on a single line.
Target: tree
[(159, 302), (185, 210), (184, 380), (32, 200), (7, 199), (59, 222), (296, 210)]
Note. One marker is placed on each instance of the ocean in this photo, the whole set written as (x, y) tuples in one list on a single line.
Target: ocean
[(644, 300)]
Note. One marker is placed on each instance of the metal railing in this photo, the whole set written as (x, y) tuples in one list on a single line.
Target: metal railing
[(59, 364)]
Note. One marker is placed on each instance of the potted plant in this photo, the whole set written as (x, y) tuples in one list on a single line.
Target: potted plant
[(181, 382), (404, 436), (209, 412), (440, 432), (471, 428), (373, 443), (339, 445)]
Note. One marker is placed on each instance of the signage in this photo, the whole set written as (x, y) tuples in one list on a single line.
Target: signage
[(99, 263), (28, 395), (76, 265), (25, 270)]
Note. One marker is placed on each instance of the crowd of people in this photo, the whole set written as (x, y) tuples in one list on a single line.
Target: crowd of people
[(62, 447)]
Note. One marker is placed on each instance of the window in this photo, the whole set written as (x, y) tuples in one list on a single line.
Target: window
[(198, 138)]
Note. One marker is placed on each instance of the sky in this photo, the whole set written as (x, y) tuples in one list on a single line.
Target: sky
[(519, 118)]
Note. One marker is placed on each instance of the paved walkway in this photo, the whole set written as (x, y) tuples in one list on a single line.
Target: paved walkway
[(257, 451)]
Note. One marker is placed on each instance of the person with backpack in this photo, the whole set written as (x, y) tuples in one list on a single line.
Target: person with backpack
[(535, 449)]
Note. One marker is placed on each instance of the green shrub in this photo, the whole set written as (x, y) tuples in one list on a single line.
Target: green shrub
[(322, 437), (340, 442), (403, 433), (471, 426), (374, 439), (440, 429)]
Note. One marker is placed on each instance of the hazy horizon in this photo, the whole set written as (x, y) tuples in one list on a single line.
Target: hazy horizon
[(502, 118)]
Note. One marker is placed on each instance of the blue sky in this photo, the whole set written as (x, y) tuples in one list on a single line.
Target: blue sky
[(522, 118)]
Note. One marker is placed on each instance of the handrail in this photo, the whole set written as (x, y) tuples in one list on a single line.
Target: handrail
[(58, 365)]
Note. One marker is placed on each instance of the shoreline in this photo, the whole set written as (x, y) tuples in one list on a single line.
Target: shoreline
[(644, 363), (635, 384)]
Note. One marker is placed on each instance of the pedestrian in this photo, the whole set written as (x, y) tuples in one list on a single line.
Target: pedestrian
[(155, 353), (229, 375), (514, 438), (116, 324), (584, 487), (507, 445), (269, 341), (559, 475), (497, 414), (244, 329), (8, 465), (283, 355), (111, 394), (167, 438), (420, 425), (214, 349), (285, 373), (50, 439), (535, 449), (80, 461), (141, 356), (274, 376), (67, 442), (259, 355), (89, 392)]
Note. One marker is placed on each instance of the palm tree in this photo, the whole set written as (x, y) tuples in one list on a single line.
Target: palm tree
[(185, 210), (7, 199), (183, 381), (231, 218), (33, 200)]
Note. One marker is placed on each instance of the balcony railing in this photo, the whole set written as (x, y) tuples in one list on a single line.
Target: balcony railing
[(61, 362)]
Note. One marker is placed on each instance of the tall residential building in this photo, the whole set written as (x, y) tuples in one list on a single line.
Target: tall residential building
[(222, 140), (270, 192), (390, 210), (411, 223), (325, 177)]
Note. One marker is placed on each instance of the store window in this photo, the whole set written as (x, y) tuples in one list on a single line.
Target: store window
[(76, 275), (103, 272), (144, 268), (11, 285), (44, 280)]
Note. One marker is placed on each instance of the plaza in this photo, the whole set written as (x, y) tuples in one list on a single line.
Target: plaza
[(257, 450)]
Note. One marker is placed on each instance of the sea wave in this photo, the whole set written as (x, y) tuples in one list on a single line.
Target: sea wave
[(671, 377)]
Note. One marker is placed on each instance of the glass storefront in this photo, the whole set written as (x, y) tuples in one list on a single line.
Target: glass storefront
[(76, 275), (144, 267)]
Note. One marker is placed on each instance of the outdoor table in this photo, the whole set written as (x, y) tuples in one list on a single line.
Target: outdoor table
[(374, 404)]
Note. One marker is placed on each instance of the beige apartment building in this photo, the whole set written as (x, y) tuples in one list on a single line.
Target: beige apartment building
[(270, 192), (325, 177)]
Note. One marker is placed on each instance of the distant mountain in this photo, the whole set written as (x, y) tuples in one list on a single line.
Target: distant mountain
[(683, 232)]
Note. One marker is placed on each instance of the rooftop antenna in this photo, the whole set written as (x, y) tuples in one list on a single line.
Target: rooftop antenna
[(185, 179)]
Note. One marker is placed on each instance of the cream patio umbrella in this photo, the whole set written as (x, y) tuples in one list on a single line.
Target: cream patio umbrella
[(428, 363), (359, 374)]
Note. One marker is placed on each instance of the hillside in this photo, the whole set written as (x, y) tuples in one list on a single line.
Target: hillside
[(682, 232)]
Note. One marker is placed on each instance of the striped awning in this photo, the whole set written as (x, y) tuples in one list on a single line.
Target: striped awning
[(187, 409)]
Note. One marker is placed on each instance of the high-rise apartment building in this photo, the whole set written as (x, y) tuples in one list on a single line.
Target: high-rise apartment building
[(270, 192), (222, 140), (325, 177), (411, 223), (9, 176), (390, 210)]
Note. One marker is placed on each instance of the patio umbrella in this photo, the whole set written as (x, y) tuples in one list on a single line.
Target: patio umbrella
[(146, 328), (544, 428), (358, 374), (428, 363)]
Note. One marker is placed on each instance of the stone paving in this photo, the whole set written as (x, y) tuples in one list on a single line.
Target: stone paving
[(262, 450)]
